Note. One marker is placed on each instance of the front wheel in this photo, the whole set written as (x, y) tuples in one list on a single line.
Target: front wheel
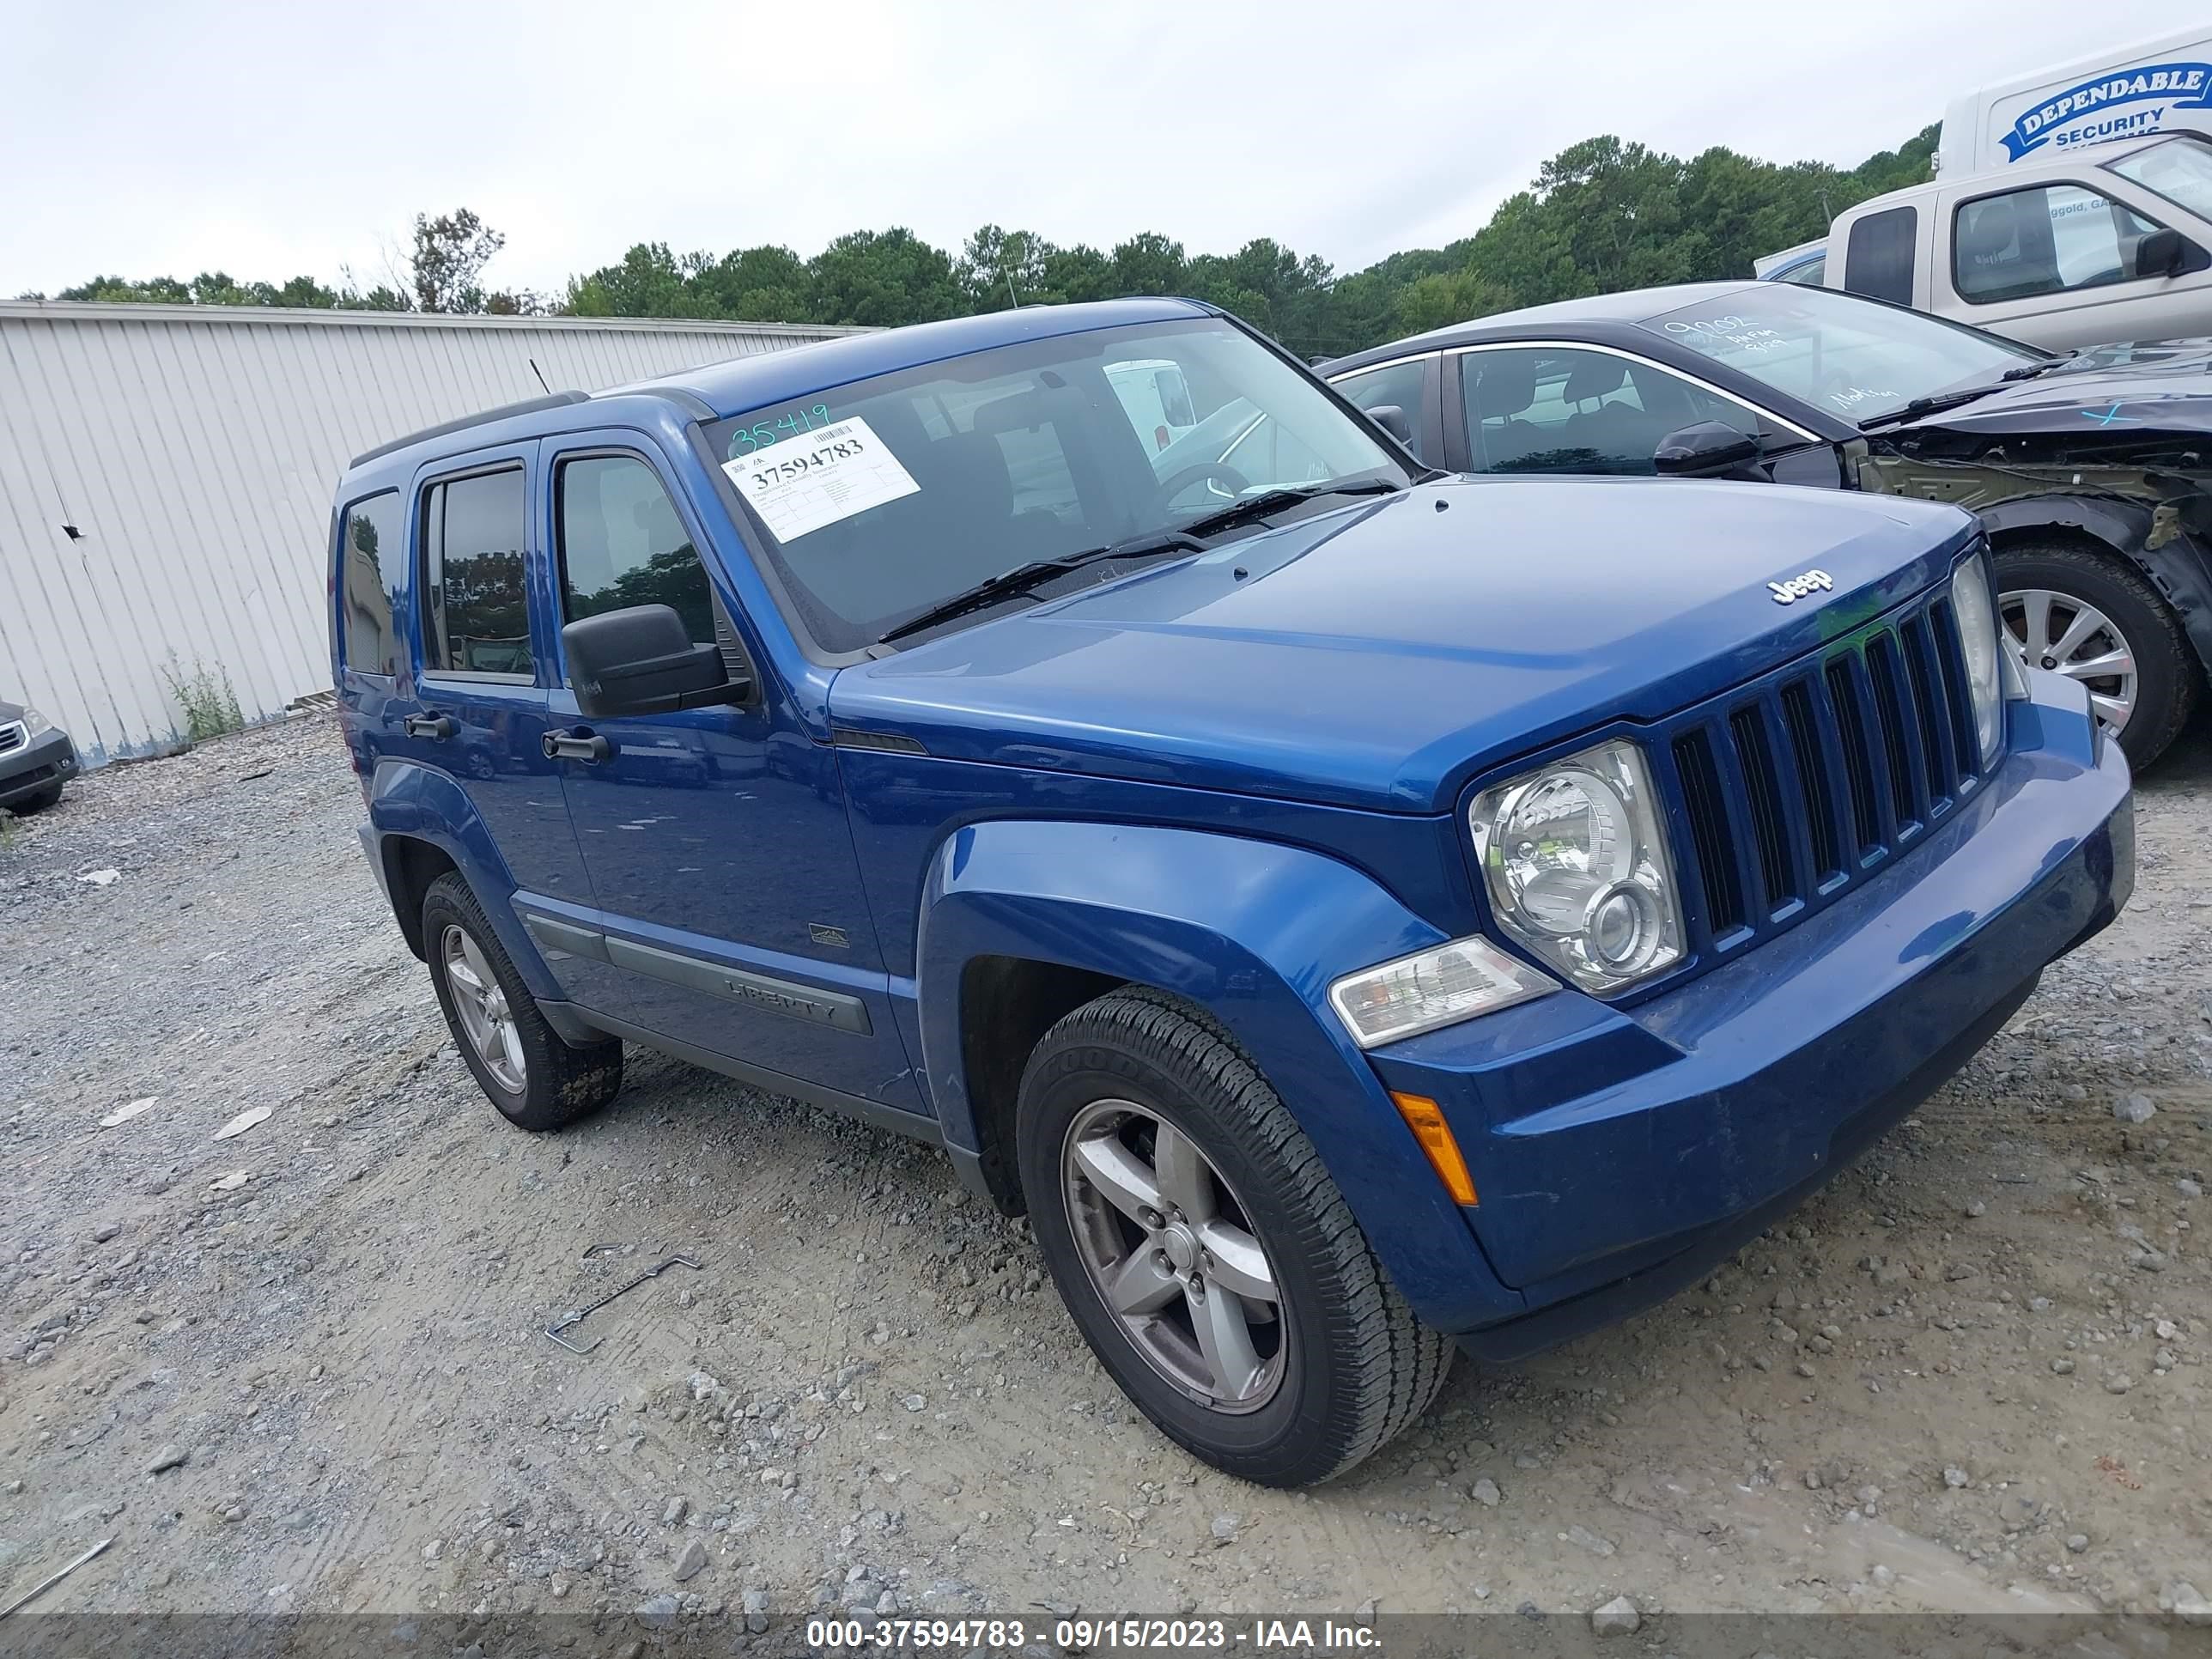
[(2095, 619), (1204, 1253)]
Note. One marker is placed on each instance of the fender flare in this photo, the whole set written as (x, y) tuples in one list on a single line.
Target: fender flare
[(1250, 931), (2176, 567), (420, 803)]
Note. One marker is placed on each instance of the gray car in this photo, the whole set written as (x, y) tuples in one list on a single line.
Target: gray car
[(36, 759)]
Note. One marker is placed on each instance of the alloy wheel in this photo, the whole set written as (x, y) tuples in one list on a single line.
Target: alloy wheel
[(2067, 634), (481, 1002), (1173, 1253)]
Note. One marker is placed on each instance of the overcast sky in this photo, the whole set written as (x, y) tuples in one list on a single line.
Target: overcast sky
[(278, 140)]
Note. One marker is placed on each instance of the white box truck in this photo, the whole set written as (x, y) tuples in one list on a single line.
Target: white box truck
[(2154, 86)]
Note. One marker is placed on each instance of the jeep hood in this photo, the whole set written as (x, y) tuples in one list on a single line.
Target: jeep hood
[(1380, 654)]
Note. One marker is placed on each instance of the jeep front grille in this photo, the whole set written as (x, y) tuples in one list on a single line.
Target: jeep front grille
[(1799, 785), (13, 735)]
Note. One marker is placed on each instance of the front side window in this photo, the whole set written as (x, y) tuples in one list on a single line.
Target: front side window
[(884, 496), (476, 613), (622, 544), (1878, 258), (2049, 239), (2179, 169), (371, 549), (1559, 408), (1394, 386), (1814, 273), (1846, 357)]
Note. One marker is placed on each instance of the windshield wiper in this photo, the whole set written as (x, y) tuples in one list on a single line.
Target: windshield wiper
[(1920, 406), (1929, 406), (2029, 371), (1025, 578), (1273, 500)]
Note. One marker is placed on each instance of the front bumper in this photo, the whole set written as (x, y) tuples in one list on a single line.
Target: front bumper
[(40, 764), (1619, 1154)]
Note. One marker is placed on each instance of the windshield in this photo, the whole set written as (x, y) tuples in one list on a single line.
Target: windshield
[(2180, 170), (885, 496), (1850, 356)]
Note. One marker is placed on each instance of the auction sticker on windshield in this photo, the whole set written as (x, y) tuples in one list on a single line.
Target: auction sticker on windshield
[(830, 475)]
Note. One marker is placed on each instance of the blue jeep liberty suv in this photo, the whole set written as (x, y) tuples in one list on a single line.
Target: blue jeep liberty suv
[(1354, 912)]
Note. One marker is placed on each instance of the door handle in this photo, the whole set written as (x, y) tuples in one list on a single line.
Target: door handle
[(575, 743), (436, 727)]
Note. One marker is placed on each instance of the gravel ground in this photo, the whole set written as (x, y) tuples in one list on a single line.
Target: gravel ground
[(303, 1368)]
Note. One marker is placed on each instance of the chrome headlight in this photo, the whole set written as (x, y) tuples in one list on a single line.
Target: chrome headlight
[(34, 722), (1575, 857), (1440, 986), (1975, 607)]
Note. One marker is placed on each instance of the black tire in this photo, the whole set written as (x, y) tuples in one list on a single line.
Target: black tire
[(37, 801), (561, 1082), (1359, 1367), (2168, 676)]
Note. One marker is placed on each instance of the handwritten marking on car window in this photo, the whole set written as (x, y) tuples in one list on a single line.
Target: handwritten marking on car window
[(793, 423), (1715, 335)]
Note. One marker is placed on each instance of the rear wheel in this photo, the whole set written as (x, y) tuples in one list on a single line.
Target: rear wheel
[(1203, 1252), (536, 1079), (2097, 621)]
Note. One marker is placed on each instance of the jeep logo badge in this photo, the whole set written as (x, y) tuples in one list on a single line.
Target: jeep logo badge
[(1812, 581)]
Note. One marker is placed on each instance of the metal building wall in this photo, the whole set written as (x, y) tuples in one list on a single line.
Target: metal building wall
[(194, 450)]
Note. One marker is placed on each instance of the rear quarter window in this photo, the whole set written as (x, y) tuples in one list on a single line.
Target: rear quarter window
[(371, 561)]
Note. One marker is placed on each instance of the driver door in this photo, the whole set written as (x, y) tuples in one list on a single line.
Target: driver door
[(1576, 410), (724, 881)]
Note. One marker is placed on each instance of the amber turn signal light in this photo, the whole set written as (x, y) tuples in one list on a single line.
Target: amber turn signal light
[(1426, 1120)]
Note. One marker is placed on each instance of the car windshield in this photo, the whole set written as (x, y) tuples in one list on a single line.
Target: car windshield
[(1853, 357), (2179, 169), (884, 497)]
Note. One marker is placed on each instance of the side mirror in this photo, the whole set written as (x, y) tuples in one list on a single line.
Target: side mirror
[(1704, 451), (1392, 419), (641, 661), (2159, 253)]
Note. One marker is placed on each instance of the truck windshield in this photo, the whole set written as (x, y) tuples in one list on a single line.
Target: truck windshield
[(1850, 356), (2180, 170), (882, 497)]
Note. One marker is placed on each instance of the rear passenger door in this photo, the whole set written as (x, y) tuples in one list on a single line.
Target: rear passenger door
[(476, 706), (725, 891)]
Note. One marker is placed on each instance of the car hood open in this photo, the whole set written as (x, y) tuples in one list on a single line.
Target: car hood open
[(1380, 654)]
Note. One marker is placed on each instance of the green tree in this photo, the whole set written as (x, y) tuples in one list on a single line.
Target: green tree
[(1148, 263), (1600, 215), (447, 266), (764, 285), (997, 269), (648, 283), (885, 279), (1445, 297)]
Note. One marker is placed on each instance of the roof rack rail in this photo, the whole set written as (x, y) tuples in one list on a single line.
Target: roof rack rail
[(527, 406)]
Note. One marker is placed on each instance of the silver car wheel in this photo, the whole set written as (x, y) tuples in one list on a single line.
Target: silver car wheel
[(1172, 1252), (486, 1019), (2067, 634)]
